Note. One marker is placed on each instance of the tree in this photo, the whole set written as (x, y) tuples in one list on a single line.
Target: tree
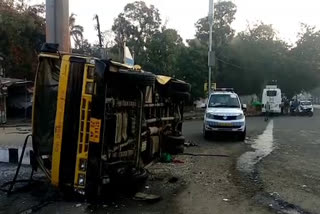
[(192, 66), (223, 34), (108, 38), (305, 59), (76, 31), (163, 51), (259, 32), (136, 26), (252, 59), (22, 32), (224, 15)]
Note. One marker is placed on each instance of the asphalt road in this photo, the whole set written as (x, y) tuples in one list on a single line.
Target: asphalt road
[(276, 170), (216, 185), (292, 170)]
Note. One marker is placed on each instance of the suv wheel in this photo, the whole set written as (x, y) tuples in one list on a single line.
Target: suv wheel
[(205, 133), (242, 135)]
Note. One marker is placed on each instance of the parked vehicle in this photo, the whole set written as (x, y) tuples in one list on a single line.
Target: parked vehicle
[(272, 95), (224, 113), (305, 108)]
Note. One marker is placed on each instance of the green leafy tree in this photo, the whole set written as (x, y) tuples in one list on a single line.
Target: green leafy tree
[(257, 56), (304, 59), (223, 34), (136, 25), (252, 59), (76, 31), (224, 15), (192, 66), (22, 32), (163, 52)]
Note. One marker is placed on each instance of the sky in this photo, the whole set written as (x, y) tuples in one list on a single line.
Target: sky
[(284, 15)]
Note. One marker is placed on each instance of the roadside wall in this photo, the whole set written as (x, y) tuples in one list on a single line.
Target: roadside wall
[(248, 99)]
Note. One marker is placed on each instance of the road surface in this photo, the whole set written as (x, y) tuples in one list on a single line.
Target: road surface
[(277, 170)]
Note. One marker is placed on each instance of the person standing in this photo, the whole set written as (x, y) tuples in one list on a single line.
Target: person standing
[(267, 106), (286, 106)]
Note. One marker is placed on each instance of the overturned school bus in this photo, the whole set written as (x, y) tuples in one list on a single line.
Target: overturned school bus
[(96, 121)]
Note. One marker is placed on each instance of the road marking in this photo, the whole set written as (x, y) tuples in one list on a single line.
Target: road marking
[(263, 146)]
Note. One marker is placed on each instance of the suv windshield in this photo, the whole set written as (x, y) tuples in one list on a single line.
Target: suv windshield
[(224, 100)]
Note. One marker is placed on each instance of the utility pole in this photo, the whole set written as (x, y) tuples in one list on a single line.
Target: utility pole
[(57, 24), (99, 31), (211, 55), (102, 52)]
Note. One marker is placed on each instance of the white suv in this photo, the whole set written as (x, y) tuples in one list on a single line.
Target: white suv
[(224, 113)]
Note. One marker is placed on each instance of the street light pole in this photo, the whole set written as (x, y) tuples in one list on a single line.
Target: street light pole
[(57, 23), (211, 59)]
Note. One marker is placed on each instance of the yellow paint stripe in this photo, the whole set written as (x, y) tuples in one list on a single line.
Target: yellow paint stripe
[(57, 142), (56, 56)]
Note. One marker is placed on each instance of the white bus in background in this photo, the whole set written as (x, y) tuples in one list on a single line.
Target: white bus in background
[(272, 94)]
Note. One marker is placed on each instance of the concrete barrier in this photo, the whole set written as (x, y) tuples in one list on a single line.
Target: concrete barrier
[(11, 143), (12, 155)]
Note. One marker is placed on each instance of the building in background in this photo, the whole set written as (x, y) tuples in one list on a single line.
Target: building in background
[(15, 99)]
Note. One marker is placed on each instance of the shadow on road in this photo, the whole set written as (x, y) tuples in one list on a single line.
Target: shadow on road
[(223, 138)]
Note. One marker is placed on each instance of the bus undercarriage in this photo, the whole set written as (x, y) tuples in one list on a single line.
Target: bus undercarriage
[(98, 122)]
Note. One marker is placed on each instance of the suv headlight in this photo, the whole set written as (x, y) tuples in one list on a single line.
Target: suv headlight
[(240, 116), (209, 116)]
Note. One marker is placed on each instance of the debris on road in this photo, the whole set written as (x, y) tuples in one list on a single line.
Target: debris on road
[(206, 155), (177, 161), (275, 194), (140, 196), (166, 158), (189, 143)]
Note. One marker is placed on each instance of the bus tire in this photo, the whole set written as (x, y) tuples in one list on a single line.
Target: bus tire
[(178, 85), (131, 78), (177, 140)]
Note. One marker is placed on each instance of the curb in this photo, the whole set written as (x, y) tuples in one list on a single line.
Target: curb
[(12, 155), (193, 118), (15, 125)]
